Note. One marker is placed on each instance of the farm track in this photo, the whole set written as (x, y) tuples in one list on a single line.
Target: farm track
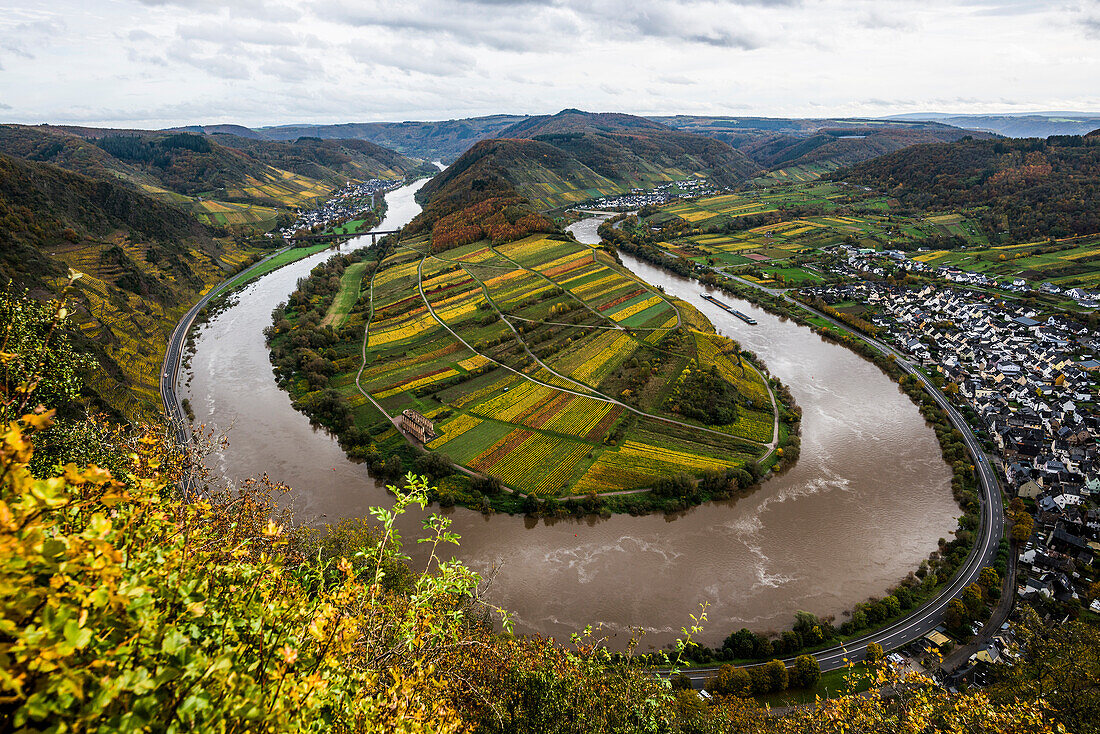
[(597, 395)]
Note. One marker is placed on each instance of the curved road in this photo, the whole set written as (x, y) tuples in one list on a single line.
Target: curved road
[(173, 355), (930, 615)]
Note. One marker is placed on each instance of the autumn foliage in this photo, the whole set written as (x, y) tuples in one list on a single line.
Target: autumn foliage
[(499, 219)]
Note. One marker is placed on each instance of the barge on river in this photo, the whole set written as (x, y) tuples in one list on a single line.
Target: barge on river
[(744, 317)]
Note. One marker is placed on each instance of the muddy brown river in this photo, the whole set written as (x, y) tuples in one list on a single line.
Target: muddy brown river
[(868, 499)]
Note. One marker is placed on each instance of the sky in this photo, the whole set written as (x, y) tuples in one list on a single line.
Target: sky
[(158, 63)]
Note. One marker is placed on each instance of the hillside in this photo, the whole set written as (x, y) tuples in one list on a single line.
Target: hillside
[(779, 142), (222, 179), (568, 158), (143, 263), (331, 161), (1018, 190), (633, 151), (443, 140)]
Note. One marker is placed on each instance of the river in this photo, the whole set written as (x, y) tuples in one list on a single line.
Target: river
[(868, 499)]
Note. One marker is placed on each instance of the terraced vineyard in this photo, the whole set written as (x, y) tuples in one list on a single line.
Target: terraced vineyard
[(545, 364), (798, 219)]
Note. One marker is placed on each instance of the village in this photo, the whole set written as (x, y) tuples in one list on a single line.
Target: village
[(1029, 384), (343, 205), (882, 263), (662, 194)]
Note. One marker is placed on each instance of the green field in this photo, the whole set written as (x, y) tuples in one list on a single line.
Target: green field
[(283, 258), (350, 287), (544, 363), (1069, 262), (715, 230)]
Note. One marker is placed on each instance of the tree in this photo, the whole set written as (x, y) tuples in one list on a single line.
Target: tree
[(990, 581), (806, 672), (731, 681), (1021, 529), (1060, 665), (954, 616), (973, 599), (776, 675), (875, 654)]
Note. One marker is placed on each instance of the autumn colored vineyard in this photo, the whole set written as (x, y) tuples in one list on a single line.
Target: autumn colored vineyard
[(541, 362)]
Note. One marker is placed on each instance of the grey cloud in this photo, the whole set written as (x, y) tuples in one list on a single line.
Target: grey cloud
[(231, 34), (530, 25), (291, 67), (417, 57), (876, 20), (220, 64), (22, 37)]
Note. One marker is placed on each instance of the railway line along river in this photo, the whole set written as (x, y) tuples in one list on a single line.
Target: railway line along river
[(868, 499)]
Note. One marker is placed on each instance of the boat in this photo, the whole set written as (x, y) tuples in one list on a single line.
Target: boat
[(725, 306)]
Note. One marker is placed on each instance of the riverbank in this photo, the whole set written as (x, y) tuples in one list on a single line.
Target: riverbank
[(869, 487), (942, 565), (664, 366)]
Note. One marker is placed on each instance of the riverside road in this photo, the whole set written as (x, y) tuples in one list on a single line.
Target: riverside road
[(927, 617)]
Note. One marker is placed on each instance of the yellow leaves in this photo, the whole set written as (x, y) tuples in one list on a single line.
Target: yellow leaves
[(316, 628)]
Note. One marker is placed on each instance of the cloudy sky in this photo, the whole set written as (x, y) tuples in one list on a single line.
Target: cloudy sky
[(256, 62)]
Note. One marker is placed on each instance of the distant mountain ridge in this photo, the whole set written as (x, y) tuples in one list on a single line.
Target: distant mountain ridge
[(443, 140), (781, 142), (1034, 125)]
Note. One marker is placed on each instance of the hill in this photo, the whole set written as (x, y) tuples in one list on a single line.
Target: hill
[(331, 161), (778, 143), (222, 179), (1036, 125), (633, 151), (443, 140), (564, 159), (142, 262), (1024, 189)]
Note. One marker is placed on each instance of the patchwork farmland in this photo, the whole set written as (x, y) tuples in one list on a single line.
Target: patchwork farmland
[(768, 231), (545, 364)]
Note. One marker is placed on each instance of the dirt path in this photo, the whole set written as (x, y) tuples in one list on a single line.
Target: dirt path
[(597, 395)]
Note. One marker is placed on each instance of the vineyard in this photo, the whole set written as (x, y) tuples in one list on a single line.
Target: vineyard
[(541, 362)]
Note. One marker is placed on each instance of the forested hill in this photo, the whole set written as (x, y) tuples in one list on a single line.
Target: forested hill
[(1027, 189), (568, 158), (252, 178), (327, 160), (634, 151), (142, 262), (779, 142), (443, 140)]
